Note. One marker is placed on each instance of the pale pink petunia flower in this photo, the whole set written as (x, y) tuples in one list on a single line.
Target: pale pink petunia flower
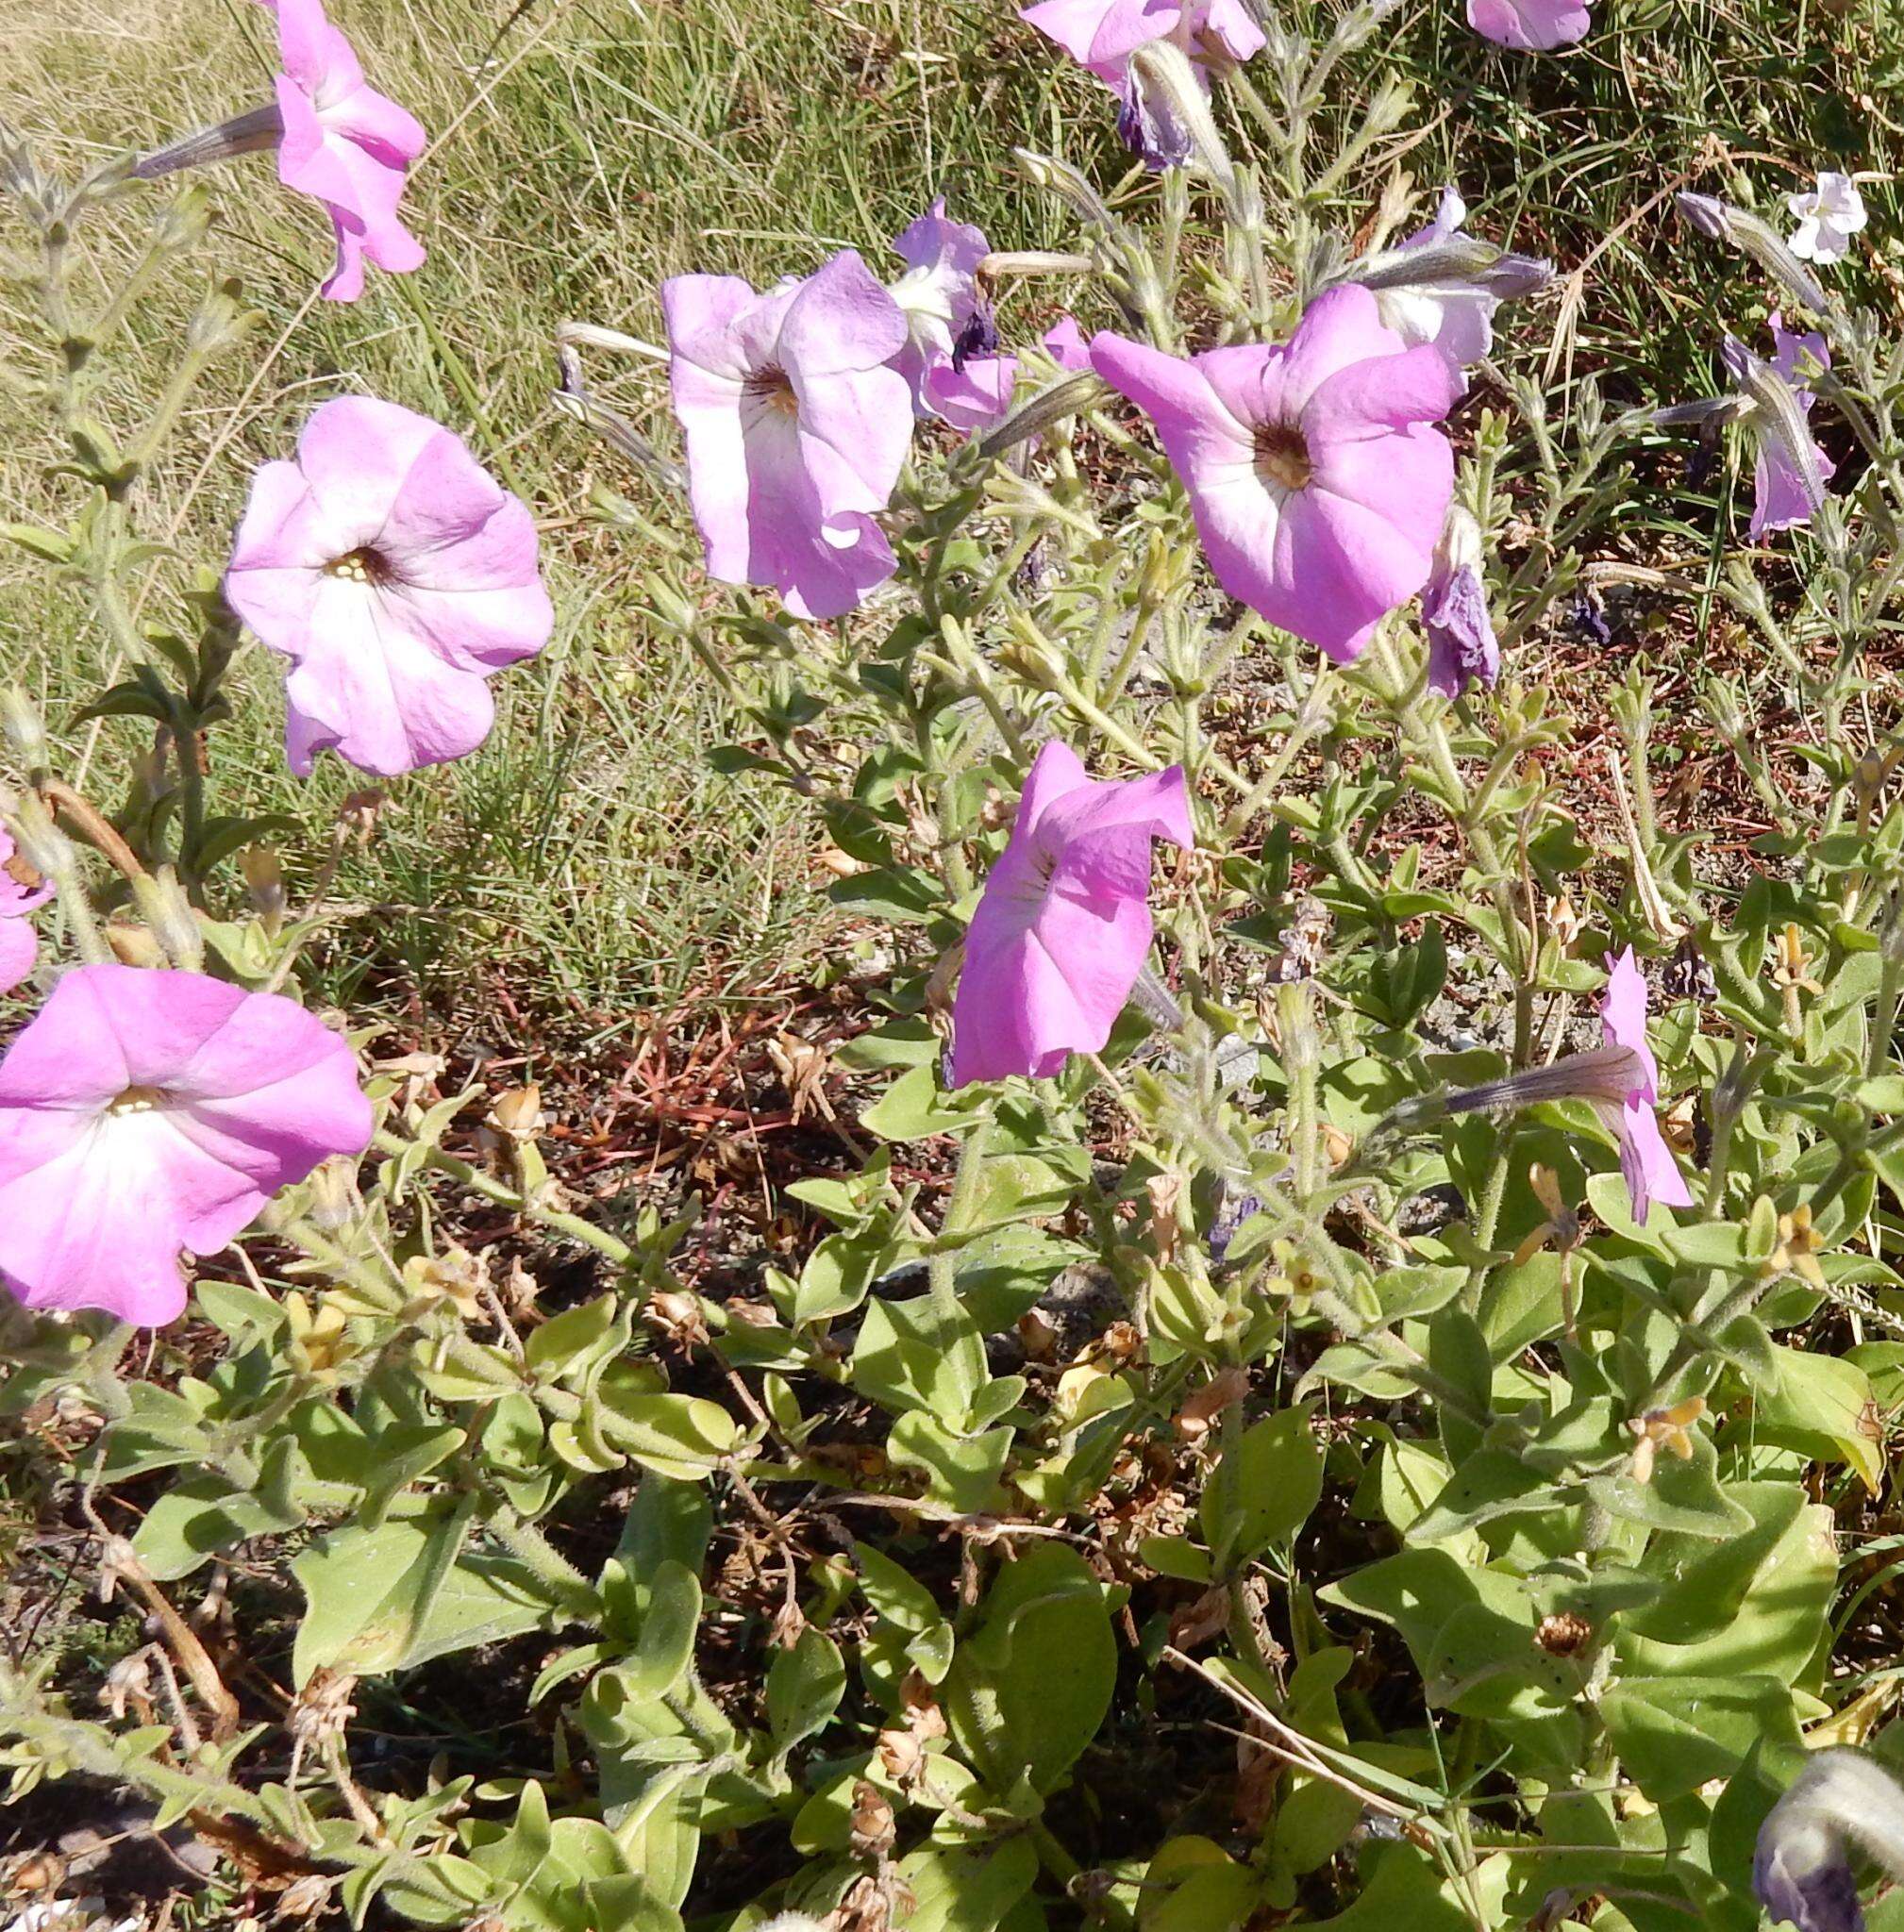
[(1064, 924), (1318, 483), (345, 145), (19, 944), (145, 1113), (397, 575), (1535, 26), (797, 426), (973, 396), (947, 318), (1102, 35)]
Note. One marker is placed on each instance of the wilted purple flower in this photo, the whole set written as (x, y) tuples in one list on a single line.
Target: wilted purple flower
[(1801, 1868), (1789, 470), (1827, 218), (1441, 286), (1104, 35), (1454, 608), (939, 298)]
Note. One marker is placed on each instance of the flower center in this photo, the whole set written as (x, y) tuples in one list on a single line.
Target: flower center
[(139, 1100), (363, 565), (1283, 455), (774, 387)]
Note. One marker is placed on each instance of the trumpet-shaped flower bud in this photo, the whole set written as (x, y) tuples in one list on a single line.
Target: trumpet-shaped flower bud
[(797, 424), (1318, 483), (142, 1114), (939, 298), (1536, 26), (1719, 220), (1064, 924), (1827, 218), (1454, 607), (1441, 286), (1801, 1868), (397, 575)]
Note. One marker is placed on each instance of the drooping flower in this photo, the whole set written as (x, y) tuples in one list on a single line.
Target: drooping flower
[(1801, 1866), (397, 575), (797, 425), (1102, 35), (946, 317), (1620, 1080), (1454, 607), (1441, 286), (973, 396), (1789, 470), (338, 141), (21, 891), (1063, 924), (143, 1113), (1827, 218), (1319, 484), (1536, 26)]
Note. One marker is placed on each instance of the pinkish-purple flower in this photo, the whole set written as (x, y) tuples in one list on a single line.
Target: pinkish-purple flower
[(146, 1113), (1789, 470), (397, 575), (797, 425), (345, 145), (946, 320), (1063, 924), (21, 891), (973, 396), (1065, 344), (1317, 479), (1626, 1099), (1102, 35), (1535, 26)]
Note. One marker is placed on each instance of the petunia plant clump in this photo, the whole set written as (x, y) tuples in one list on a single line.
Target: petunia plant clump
[(1341, 1369)]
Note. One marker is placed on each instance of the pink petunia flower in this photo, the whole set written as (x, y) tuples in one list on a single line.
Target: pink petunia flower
[(1062, 927), (797, 426), (18, 943), (973, 396), (142, 1114), (345, 145), (1619, 1080), (1102, 35), (1065, 344), (1536, 26), (1789, 470), (397, 575), (946, 320), (1318, 485)]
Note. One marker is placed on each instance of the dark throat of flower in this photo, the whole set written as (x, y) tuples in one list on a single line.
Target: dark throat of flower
[(773, 387), (363, 565), (1283, 455)]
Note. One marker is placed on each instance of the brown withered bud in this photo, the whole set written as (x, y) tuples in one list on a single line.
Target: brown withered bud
[(323, 1708), (358, 815), (872, 1830), (1037, 1335), (132, 944), (518, 1112), (1197, 1416), (1566, 1633), (263, 880)]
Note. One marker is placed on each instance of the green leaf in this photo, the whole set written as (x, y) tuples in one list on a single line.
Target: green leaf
[(1824, 1405), (962, 1472), (1262, 1489), (1675, 1734), (955, 1889), (1029, 1687), (914, 1354), (805, 1684), (910, 1109), (681, 1436)]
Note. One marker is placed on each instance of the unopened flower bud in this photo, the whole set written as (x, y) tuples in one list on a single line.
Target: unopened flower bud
[(1719, 220), (25, 733), (263, 880)]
